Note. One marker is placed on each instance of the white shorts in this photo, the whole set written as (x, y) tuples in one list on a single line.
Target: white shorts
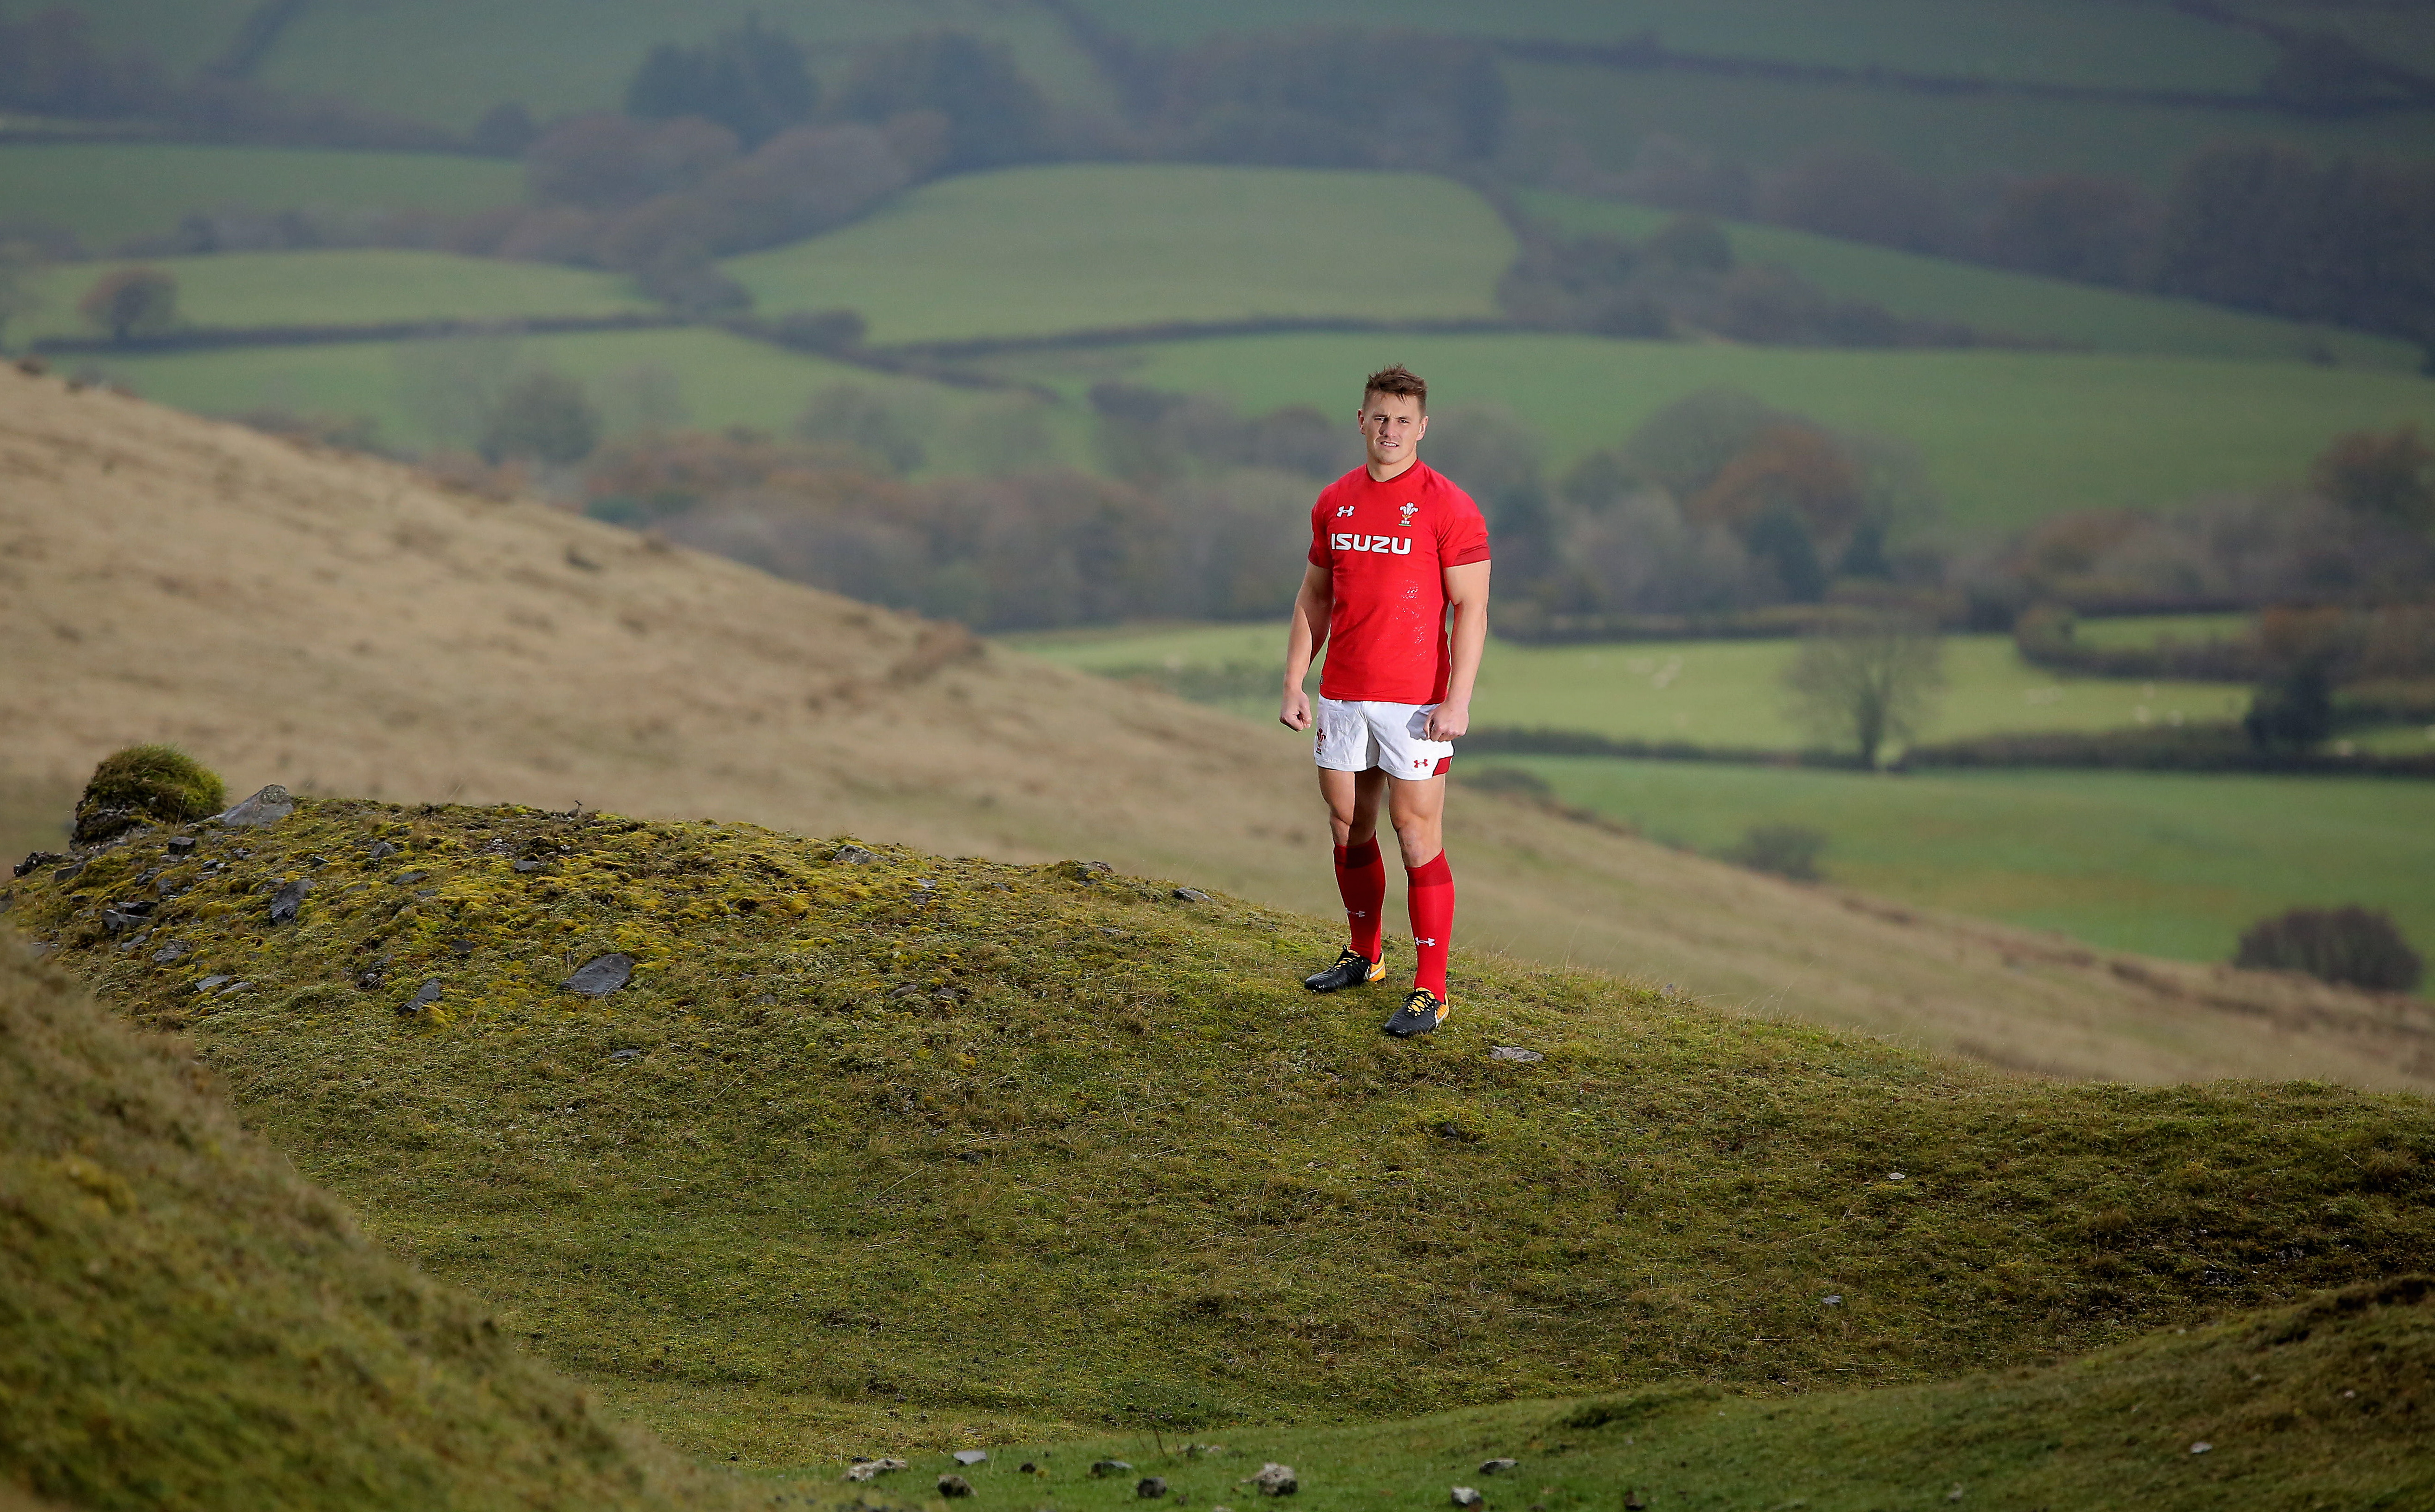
[(1354, 737)]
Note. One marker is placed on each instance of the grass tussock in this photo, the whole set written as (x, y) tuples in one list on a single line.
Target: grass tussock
[(186, 1323), (146, 784), (918, 1150)]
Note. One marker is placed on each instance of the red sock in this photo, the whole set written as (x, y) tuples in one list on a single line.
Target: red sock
[(1361, 880), (1431, 895)]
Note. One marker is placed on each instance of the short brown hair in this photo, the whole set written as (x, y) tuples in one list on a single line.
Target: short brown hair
[(1398, 380)]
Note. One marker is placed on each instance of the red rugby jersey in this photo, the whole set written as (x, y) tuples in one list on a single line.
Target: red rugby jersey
[(1385, 546)]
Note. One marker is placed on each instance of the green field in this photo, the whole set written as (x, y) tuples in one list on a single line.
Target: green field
[(1992, 299), (2008, 436), (2151, 629), (2161, 863), (348, 287), (721, 380), (448, 60), (1769, 124), (1710, 693), (1032, 250), (108, 192), (2062, 41)]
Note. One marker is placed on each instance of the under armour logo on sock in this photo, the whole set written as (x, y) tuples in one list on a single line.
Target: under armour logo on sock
[(1425, 942)]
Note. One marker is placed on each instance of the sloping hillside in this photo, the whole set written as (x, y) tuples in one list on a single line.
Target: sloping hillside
[(186, 1323), (877, 1148), (340, 625)]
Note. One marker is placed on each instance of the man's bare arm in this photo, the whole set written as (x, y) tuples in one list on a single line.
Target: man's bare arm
[(1306, 633), (1466, 590)]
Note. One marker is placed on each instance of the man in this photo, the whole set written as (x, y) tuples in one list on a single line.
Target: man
[(1394, 547)]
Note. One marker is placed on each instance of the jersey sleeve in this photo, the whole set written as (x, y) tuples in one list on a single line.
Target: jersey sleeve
[(1463, 534), (1319, 557)]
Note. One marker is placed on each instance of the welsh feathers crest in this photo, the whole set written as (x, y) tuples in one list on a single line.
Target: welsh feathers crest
[(1409, 511)]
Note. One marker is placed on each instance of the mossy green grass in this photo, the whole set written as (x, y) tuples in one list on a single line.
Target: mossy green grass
[(2008, 436), (886, 1146), (2013, 305), (109, 192), (1031, 251), (2323, 1404), (184, 1323), (349, 286)]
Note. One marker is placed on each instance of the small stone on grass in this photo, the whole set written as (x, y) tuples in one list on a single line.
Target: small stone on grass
[(602, 975)]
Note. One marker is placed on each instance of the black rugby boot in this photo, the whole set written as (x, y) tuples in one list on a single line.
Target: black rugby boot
[(1351, 970), (1421, 1012)]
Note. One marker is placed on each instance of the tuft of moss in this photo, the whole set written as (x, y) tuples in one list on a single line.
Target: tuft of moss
[(146, 784)]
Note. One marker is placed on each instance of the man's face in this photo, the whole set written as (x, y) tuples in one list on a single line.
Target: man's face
[(1391, 428)]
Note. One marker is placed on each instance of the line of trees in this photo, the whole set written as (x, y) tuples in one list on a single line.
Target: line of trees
[(50, 64), (1685, 281)]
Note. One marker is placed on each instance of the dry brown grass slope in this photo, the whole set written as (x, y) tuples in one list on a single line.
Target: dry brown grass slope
[(348, 625)]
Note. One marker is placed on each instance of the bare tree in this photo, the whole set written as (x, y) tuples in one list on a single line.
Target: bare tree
[(132, 302), (1867, 685)]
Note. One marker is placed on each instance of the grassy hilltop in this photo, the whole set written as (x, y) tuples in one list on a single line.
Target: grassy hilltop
[(918, 1149), (184, 1323), (434, 644)]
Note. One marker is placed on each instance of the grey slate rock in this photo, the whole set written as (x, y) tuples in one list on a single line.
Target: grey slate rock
[(408, 879), (1465, 1496), (1497, 1467), (181, 846), (624, 1054), (1190, 895), (1104, 1468), (853, 855), (265, 808), (210, 983), (528, 866), (1513, 1053), (971, 1457), (602, 975), (951, 1485), (1275, 1480), (177, 950), (1150, 1486), (35, 861), (291, 898), (69, 872), (382, 851), (423, 997)]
